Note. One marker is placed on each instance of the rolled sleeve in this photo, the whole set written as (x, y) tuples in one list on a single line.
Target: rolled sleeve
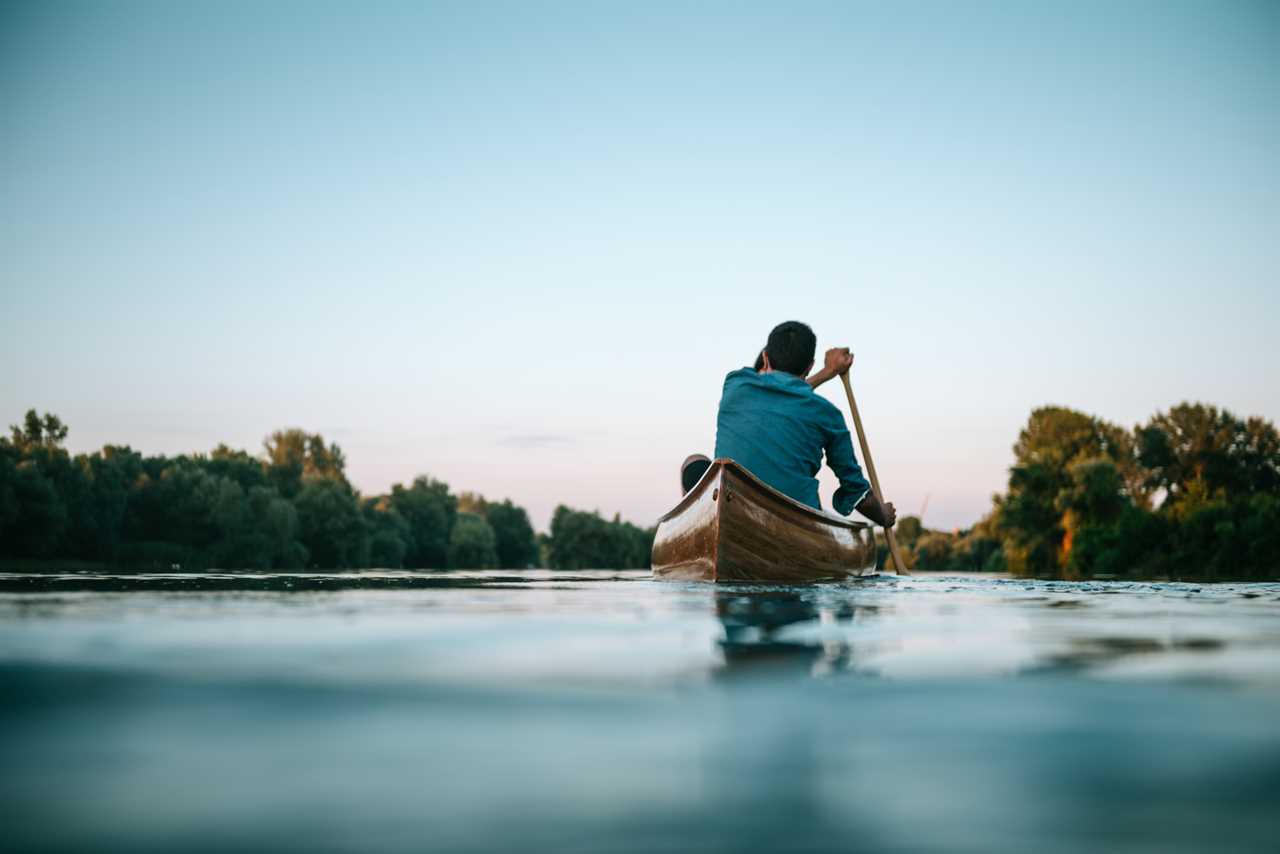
[(853, 486)]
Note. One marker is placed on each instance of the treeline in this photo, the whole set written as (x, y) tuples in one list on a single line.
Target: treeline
[(584, 540), (1193, 494), (290, 508)]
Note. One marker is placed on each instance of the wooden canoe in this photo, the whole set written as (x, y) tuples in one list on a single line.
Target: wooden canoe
[(733, 527)]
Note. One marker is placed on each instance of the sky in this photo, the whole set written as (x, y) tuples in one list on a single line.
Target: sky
[(517, 246)]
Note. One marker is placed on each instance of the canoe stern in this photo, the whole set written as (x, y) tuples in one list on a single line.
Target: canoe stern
[(733, 527)]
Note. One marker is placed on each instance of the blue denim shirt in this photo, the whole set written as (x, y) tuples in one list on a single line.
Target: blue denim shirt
[(777, 428)]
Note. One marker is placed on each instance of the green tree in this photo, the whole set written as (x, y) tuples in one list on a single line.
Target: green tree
[(1196, 442), (515, 542), (38, 531), (1259, 526), (635, 546), (46, 432), (933, 552), (39, 480), (277, 528), (240, 466), (294, 456), (331, 525), (1091, 504), (1027, 520), (389, 533), (430, 510), (1028, 517), (172, 515), (98, 516), (10, 508), (581, 540), (908, 530), (472, 544), (472, 502)]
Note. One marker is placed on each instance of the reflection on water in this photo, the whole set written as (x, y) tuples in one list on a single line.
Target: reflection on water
[(605, 711), (753, 636)]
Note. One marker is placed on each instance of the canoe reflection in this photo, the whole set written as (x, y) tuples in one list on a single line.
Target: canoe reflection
[(754, 620)]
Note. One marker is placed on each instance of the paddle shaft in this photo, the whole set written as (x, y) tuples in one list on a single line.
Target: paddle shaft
[(898, 562)]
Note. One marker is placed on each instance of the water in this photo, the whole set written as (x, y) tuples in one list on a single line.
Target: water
[(608, 712)]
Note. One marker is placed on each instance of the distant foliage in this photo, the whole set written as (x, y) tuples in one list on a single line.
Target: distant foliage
[(514, 539), (389, 534), (586, 541), (1192, 494), (430, 510), (975, 549), (291, 508), (472, 544)]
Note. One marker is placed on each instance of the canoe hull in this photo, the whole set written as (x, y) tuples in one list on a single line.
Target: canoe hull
[(732, 527)]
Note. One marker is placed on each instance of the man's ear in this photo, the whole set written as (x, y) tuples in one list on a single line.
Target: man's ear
[(764, 355)]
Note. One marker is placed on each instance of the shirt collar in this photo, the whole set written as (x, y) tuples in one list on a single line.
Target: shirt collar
[(785, 379)]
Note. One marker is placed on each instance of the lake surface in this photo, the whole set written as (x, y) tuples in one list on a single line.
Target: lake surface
[(606, 712)]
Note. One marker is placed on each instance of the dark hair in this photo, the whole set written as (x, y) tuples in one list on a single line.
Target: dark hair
[(790, 348)]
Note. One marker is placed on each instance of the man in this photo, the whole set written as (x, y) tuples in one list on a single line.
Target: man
[(772, 423)]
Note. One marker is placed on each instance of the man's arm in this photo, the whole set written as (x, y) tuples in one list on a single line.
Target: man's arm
[(836, 362), (854, 492)]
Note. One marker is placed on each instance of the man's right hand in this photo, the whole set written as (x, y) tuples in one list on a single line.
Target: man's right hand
[(890, 514), (837, 360)]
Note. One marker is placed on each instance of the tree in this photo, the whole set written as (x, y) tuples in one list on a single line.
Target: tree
[(472, 544), (98, 516), (472, 502), (294, 455), (1196, 442), (239, 466), (277, 528), (636, 544), (429, 509), (41, 514), (330, 525), (389, 534), (1029, 519), (516, 546), (908, 530), (933, 552), (38, 480), (10, 508), (1090, 505), (580, 541), (586, 541), (39, 432)]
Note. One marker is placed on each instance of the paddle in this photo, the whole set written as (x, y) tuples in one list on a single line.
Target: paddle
[(898, 562)]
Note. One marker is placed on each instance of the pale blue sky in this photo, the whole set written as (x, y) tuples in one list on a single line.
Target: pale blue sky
[(517, 246)]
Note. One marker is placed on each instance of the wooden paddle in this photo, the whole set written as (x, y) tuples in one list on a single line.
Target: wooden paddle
[(898, 563)]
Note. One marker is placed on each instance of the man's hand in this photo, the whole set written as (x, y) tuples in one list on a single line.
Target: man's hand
[(837, 361), (882, 513)]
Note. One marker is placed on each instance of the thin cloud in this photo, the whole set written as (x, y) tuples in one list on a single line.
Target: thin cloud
[(536, 440)]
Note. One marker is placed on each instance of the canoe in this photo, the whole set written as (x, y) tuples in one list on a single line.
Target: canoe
[(733, 527)]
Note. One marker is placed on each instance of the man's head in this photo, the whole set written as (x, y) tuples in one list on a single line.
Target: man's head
[(790, 348)]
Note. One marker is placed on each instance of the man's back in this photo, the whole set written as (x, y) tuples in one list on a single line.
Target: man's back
[(773, 424)]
